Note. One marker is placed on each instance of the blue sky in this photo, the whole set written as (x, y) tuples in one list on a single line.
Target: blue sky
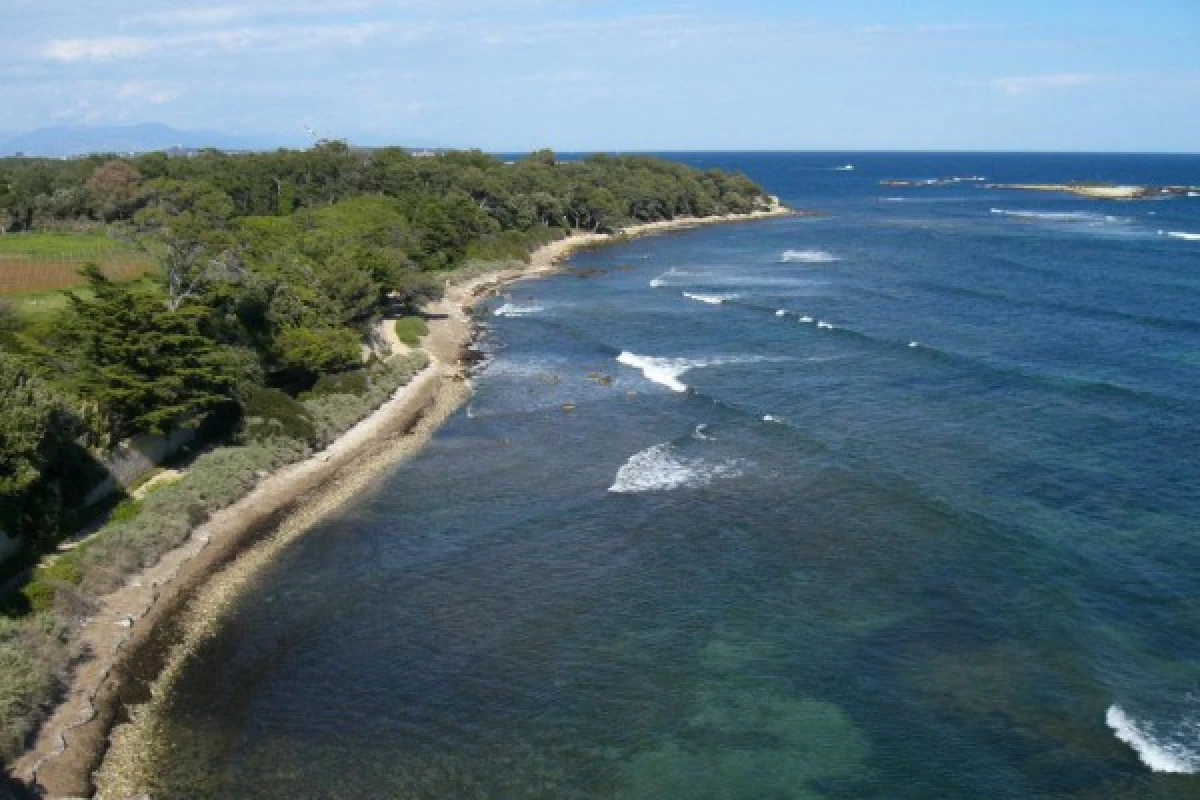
[(617, 75)]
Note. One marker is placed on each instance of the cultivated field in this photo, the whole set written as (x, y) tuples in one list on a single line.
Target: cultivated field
[(44, 262)]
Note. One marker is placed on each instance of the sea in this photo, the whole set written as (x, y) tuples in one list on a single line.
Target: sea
[(899, 500)]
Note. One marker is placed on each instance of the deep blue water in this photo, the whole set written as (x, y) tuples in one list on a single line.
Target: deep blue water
[(913, 511)]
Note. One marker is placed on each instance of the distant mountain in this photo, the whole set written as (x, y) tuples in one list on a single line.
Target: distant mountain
[(73, 140)]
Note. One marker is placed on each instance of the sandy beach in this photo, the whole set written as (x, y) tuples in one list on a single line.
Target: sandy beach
[(141, 634)]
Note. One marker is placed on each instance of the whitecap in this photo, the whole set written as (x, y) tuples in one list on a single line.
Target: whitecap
[(807, 257), (662, 468), (1155, 751), (667, 371), (806, 319), (825, 326), (771, 418), (663, 371), (701, 432), (1188, 237), (515, 310), (664, 279), (781, 313), (710, 299), (914, 344), (1065, 216)]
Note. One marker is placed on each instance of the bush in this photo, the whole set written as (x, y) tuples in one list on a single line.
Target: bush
[(40, 592), (32, 660), (126, 510), (332, 414), (354, 382), (215, 480), (318, 350), (410, 330), (271, 414)]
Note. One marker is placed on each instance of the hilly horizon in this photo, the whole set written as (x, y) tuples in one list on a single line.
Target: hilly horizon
[(60, 141)]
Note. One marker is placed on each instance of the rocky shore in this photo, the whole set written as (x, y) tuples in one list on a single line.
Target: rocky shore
[(141, 635)]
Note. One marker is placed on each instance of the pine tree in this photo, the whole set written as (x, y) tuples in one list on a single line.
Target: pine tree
[(150, 368)]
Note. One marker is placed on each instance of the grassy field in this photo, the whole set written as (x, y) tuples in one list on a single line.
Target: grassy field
[(39, 263)]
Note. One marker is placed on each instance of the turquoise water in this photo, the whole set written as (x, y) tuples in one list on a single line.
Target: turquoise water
[(899, 502)]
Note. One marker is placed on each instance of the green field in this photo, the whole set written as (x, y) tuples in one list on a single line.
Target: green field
[(42, 263)]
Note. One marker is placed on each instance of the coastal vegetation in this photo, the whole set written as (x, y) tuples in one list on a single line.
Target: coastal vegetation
[(240, 300)]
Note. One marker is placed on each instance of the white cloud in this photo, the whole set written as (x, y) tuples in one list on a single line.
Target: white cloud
[(1058, 80), (232, 39), (98, 49), (146, 91), (192, 17)]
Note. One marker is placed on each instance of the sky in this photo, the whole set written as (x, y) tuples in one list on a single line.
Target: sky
[(515, 75)]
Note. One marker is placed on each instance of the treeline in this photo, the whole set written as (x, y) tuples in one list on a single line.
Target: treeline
[(275, 269)]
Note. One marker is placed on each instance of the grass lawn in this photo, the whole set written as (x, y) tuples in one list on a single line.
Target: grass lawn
[(410, 330)]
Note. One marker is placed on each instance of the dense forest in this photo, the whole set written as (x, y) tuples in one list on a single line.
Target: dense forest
[(257, 328)]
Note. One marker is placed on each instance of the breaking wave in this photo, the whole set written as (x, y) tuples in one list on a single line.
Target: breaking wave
[(514, 310), (807, 257), (667, 371), (1159, 752), (710, 299), (1086, 217), (662, 468)]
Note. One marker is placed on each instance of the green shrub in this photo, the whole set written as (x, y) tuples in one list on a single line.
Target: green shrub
[(335, 413), (125, 510), (32, 659), (354, 382), (215, 480), (410, 330), (271, 414)]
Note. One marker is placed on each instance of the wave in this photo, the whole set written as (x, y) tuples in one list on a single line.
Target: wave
[(662, 468), (514, 310), (663, 371), (662, 280), (710, 299), (807, 257), (1190, 237), (1158, 752), (1088, 217), (667, 371)]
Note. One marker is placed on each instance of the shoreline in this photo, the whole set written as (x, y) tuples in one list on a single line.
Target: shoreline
[(142, 634)]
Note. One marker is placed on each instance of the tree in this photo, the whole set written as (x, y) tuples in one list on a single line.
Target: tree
[(114, 187), (186, 223), (149, 367), (313, 351), (43, 465)]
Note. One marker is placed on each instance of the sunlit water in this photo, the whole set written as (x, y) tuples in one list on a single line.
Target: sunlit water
[(901, 502)]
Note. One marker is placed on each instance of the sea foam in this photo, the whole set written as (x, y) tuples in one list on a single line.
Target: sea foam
[(807, 257), (1088, 217), (1156, 751), (662, 468), (710, 299), (663, 371), (514, 310), (667, 371)]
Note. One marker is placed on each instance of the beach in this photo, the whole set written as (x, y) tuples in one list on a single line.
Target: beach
[(148, 626)]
